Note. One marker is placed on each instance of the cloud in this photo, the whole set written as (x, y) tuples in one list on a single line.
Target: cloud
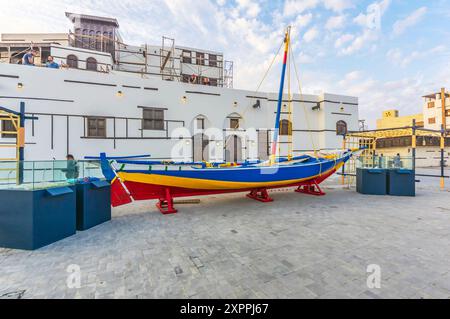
[(335, 23), (343, 39), (367, 37), (311, 34), (402, 25), (251, 8), (292, 7), (350, 77), (338, 5), (398, 58)]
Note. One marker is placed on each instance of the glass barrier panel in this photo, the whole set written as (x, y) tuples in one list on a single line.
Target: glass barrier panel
[(46, 174), (385, 162)]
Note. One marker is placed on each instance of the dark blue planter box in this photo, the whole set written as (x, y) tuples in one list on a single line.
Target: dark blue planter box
[(371, 181), (93, 204), (402, 182), (33, 219)]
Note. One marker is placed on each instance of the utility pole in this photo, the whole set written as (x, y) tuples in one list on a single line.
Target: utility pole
[(444, 115)]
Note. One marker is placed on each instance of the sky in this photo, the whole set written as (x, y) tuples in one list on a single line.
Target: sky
[(389, 53)]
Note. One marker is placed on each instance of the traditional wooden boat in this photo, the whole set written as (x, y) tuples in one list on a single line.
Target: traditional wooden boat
[(138, 178)]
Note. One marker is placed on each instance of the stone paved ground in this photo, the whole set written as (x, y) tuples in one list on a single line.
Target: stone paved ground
[(232, 247)]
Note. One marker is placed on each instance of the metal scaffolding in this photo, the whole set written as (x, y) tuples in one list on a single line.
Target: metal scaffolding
[(367, 141)]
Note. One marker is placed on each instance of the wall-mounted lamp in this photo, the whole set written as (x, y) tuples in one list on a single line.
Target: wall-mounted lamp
[(20, 86), (316, 107), (119, 94), (257, 105), (184, 99), (235, 104), (218, 144), (188, 142)]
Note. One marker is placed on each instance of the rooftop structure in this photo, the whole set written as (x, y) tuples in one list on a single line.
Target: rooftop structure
[(76, 18), (391, 119), (97, 35)]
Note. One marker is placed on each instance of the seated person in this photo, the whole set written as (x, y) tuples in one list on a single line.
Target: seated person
[(51, 63), (72, 171)]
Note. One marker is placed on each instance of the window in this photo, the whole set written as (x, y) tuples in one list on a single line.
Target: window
[(234, 124), (8, 126), (187, 56), (432, 120), (200, 124), (200, 58), (78, 38), (72, 61), (92, 40), (96, 127), (341, 128), (430, 105), (213, 60), (285, 128), (91, 64), (153, 119), (85, 39), (98, 41)]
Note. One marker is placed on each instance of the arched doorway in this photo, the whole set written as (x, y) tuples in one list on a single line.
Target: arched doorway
[(201, 141), (91, 64), (341, 128), (233, 149), (201, 148), (72, 61)]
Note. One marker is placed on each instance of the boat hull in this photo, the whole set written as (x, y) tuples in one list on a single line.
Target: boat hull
[(165, 185), (143, 191)]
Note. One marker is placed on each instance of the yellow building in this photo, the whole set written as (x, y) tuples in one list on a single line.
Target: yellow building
[(391, 119), (428, 147)]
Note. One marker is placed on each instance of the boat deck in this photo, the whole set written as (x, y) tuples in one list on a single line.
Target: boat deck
[(231, 247)]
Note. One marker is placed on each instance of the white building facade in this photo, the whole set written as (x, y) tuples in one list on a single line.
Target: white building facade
[(433, 113)]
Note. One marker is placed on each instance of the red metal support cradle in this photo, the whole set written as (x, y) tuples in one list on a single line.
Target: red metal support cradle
[(165, 205), (260, 195)]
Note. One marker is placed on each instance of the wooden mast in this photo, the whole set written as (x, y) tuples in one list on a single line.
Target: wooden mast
[(280, 98)]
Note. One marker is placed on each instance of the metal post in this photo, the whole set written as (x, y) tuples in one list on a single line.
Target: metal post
[(442, 157), (444, 113), (344, 145), (22, 146), (414, 145)]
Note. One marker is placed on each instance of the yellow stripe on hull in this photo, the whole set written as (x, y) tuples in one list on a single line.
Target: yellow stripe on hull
[(205, 184)]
